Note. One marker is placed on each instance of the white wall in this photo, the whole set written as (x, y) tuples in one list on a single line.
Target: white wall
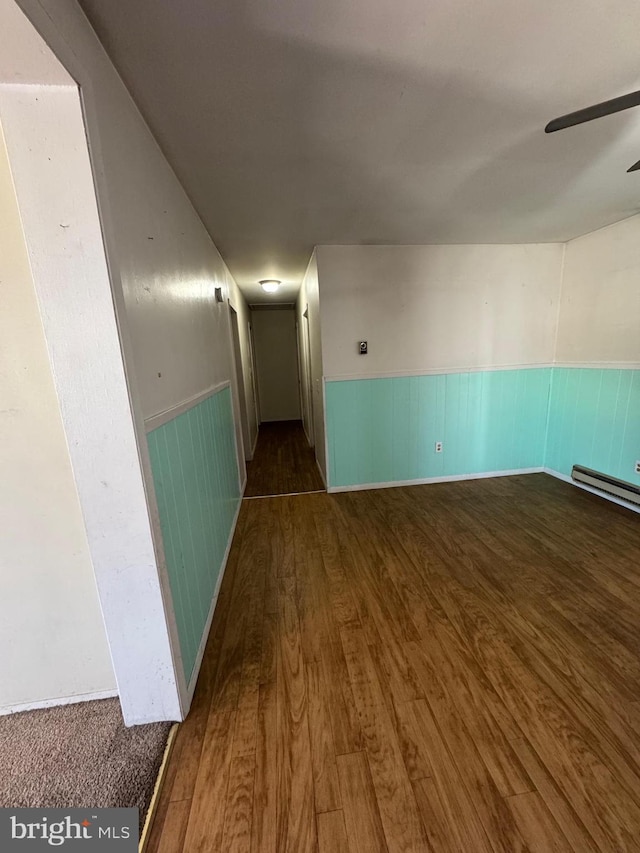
[(168, 268), (309, 301), (47, 147), (276, 345), (175, 338), (427, 308), (304, 369), (600, 301), (52, 635), (165, 267)]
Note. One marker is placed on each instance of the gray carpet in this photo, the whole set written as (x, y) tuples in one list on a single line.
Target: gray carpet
[(78, 756)]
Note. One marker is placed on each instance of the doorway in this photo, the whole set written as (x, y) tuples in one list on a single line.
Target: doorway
[(276, 353), (254, 376), (307, 390), (284, 462), (242, 392)]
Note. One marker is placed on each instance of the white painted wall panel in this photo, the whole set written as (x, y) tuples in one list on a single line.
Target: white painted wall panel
[(175, 338), (46, 142), (437, 307), (600, 300), (239, 303), (304, 368), (52, 635), (164, 265), (309, 300)]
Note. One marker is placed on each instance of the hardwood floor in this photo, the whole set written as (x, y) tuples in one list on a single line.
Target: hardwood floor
[(451, 667), (283, 462)]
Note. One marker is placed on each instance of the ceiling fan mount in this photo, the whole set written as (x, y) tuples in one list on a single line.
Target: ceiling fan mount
[(606, 108)]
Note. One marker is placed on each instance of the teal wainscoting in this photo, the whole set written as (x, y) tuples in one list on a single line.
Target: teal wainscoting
[(384, 430), (195, 472), (594, 420)]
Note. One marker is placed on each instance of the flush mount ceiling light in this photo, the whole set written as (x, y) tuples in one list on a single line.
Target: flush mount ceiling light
[(269, 285)]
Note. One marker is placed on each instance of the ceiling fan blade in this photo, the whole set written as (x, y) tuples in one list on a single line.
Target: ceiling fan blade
[(635, 167), (624, 102)]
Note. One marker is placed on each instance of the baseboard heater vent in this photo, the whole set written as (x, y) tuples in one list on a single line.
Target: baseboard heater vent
[(605, 483)]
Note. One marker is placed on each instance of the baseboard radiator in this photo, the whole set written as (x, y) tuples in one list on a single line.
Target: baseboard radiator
[(605, 483)]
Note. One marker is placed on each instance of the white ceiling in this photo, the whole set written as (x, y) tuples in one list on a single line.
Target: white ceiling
[(300, 122)]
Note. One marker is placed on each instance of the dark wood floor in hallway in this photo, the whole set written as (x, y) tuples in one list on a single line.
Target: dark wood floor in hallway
[(451, 667), (283, 462)]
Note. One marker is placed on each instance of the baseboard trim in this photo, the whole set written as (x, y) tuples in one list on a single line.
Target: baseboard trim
[(284, 495), (205, 634), (360, 487), (611, 498), (54, 703), (157, 790), (324, 479), (255, 444)]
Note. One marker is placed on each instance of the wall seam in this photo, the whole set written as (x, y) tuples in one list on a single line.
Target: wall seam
[(554, 355)]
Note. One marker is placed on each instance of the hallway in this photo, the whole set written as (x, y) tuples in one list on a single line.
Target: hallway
[(339, 241), (388, 671), (283, 463)]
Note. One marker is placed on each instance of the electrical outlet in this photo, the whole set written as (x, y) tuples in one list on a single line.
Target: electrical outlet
[(637, 466), (438, 447)]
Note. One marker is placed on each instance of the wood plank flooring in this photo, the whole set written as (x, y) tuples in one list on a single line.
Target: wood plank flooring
[(451, 667), (283, 462)]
